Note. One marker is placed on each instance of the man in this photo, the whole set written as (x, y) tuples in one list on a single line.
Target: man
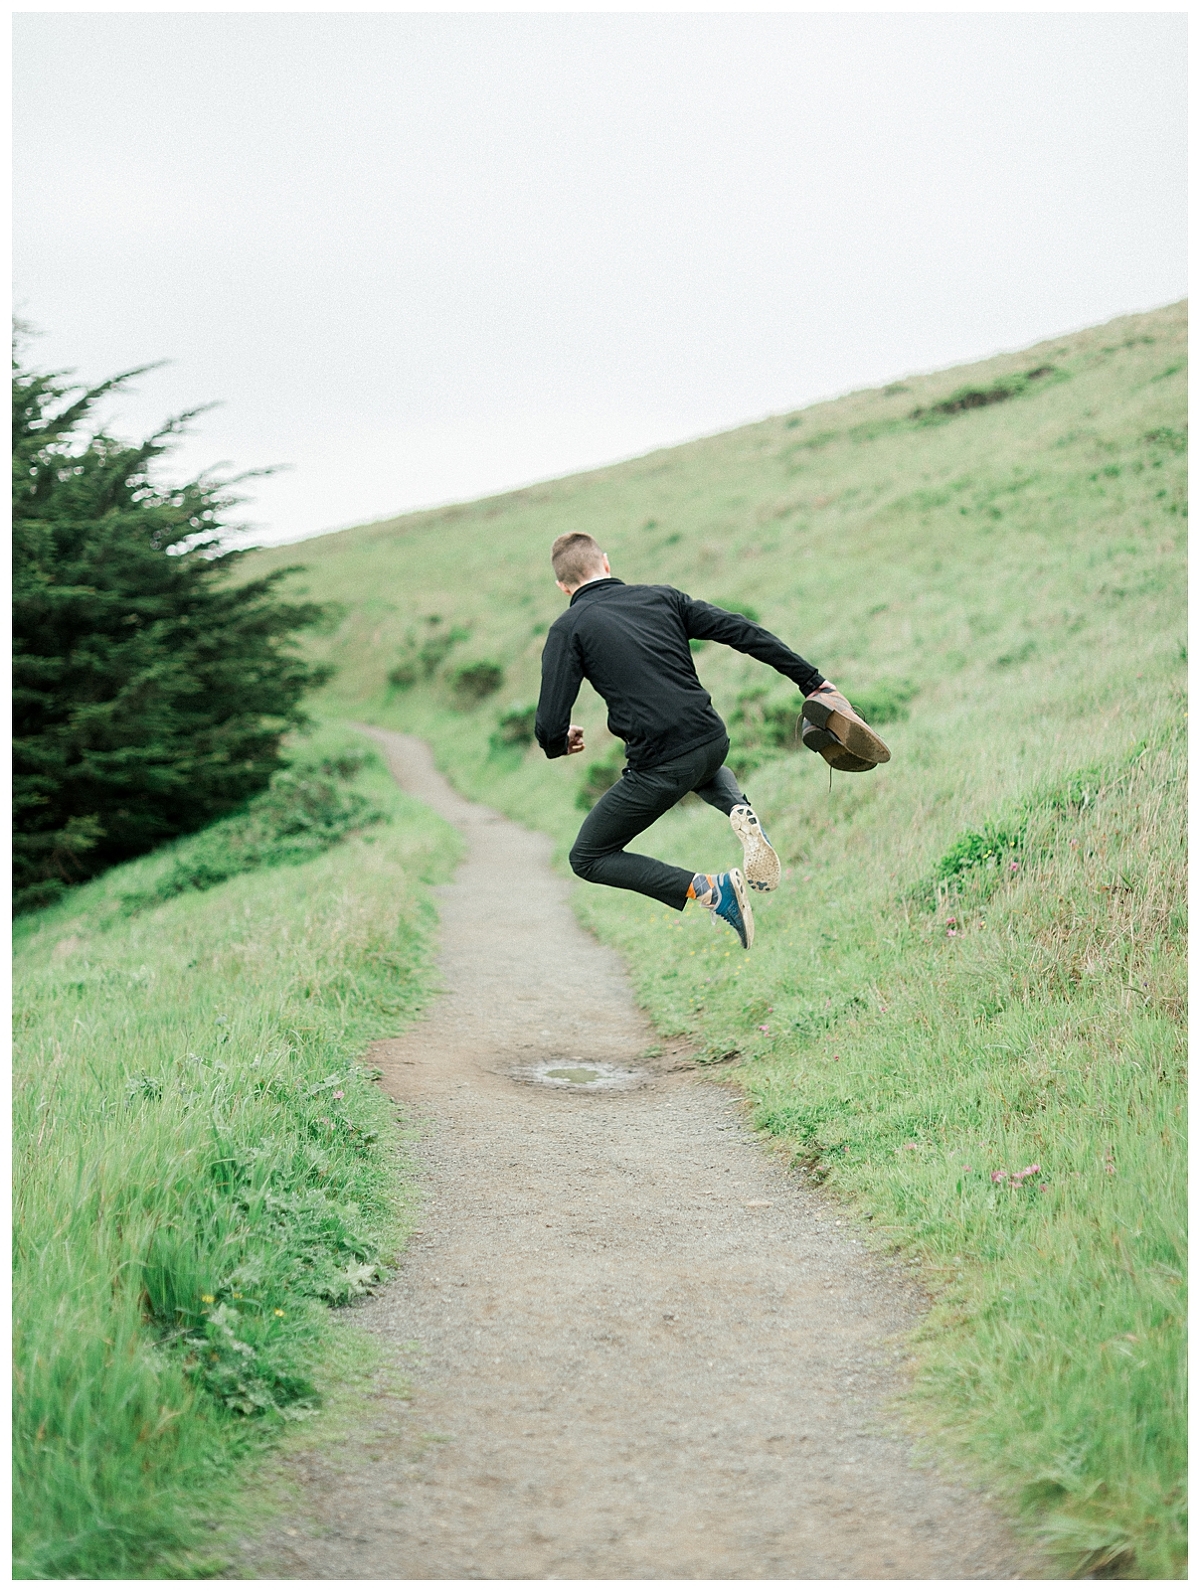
[(631, 642)]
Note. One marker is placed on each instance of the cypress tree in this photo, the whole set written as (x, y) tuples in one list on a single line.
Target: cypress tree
[(150, 691)]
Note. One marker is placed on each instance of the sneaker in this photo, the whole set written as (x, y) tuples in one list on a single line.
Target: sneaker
[(829, 710), (759, 860), (732, 906), (832, 750)]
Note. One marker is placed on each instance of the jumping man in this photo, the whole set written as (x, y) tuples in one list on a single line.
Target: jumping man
[(631, 642)]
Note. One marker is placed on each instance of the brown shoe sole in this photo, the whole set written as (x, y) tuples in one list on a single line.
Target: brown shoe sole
[(858, 738), (815, 739), (845, 762), (832, 750)]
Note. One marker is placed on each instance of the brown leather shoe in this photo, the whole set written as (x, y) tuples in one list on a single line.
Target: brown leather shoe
[(815, 738), (832, 750), (828, 709), (845, 762)]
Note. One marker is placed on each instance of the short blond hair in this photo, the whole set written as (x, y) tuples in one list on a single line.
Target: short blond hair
[(575, 556)]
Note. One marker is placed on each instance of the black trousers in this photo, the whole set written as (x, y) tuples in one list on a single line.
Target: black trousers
[(639, 798)]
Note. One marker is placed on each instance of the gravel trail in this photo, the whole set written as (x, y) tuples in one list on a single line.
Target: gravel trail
[(638, 1347)]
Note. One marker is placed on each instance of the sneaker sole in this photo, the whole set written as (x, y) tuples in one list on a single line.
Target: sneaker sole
[(858, 739), (743, 901), (760, 861)]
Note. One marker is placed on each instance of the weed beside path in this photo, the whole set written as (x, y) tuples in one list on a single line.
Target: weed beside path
[(202, 1164)]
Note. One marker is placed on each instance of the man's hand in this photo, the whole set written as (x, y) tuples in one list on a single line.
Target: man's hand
[(575, 739)]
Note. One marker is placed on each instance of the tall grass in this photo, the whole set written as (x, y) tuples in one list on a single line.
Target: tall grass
[(1001, 583), (203, 1165)]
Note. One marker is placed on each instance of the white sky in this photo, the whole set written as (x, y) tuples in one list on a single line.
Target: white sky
[(422, 257)]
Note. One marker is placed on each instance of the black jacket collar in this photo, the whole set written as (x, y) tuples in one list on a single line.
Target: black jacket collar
[(594, 585)]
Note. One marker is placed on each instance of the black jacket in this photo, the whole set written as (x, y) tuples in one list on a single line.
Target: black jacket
[(631, 642)]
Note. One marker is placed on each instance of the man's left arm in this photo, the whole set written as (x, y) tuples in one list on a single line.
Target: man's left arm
[(705, 622)]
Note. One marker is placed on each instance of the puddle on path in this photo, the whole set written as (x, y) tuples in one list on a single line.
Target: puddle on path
[(581, 1075)]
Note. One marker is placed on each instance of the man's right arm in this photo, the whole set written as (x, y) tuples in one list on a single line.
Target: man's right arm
[(562, 675)]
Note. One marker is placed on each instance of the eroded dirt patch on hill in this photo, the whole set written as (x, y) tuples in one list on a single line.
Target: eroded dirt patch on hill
[(637, 1347)]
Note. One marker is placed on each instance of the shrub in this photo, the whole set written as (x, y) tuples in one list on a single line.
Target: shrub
[(731, 607), (760, 729), (884, 702), (307, 809), (599, 777), (424, 652), (404, 674), (150, 693), (980, 397), (473, 682), (516, 726), (981, 848)]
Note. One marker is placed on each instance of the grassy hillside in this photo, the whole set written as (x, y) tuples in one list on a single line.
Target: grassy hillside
[(202, 1163), (964, 1011)]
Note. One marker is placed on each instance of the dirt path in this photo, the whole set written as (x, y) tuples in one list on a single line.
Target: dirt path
[(639, 1348)]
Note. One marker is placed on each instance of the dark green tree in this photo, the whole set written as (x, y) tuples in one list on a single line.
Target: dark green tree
[(151, 692)]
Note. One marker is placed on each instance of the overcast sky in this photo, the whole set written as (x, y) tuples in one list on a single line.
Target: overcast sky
[(422, 257)]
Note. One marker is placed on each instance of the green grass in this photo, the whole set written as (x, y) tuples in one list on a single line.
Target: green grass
[(203, 1163), (1001, 582)]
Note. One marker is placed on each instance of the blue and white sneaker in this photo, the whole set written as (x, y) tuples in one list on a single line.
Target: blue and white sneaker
[(759, 858), (733, 907)]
